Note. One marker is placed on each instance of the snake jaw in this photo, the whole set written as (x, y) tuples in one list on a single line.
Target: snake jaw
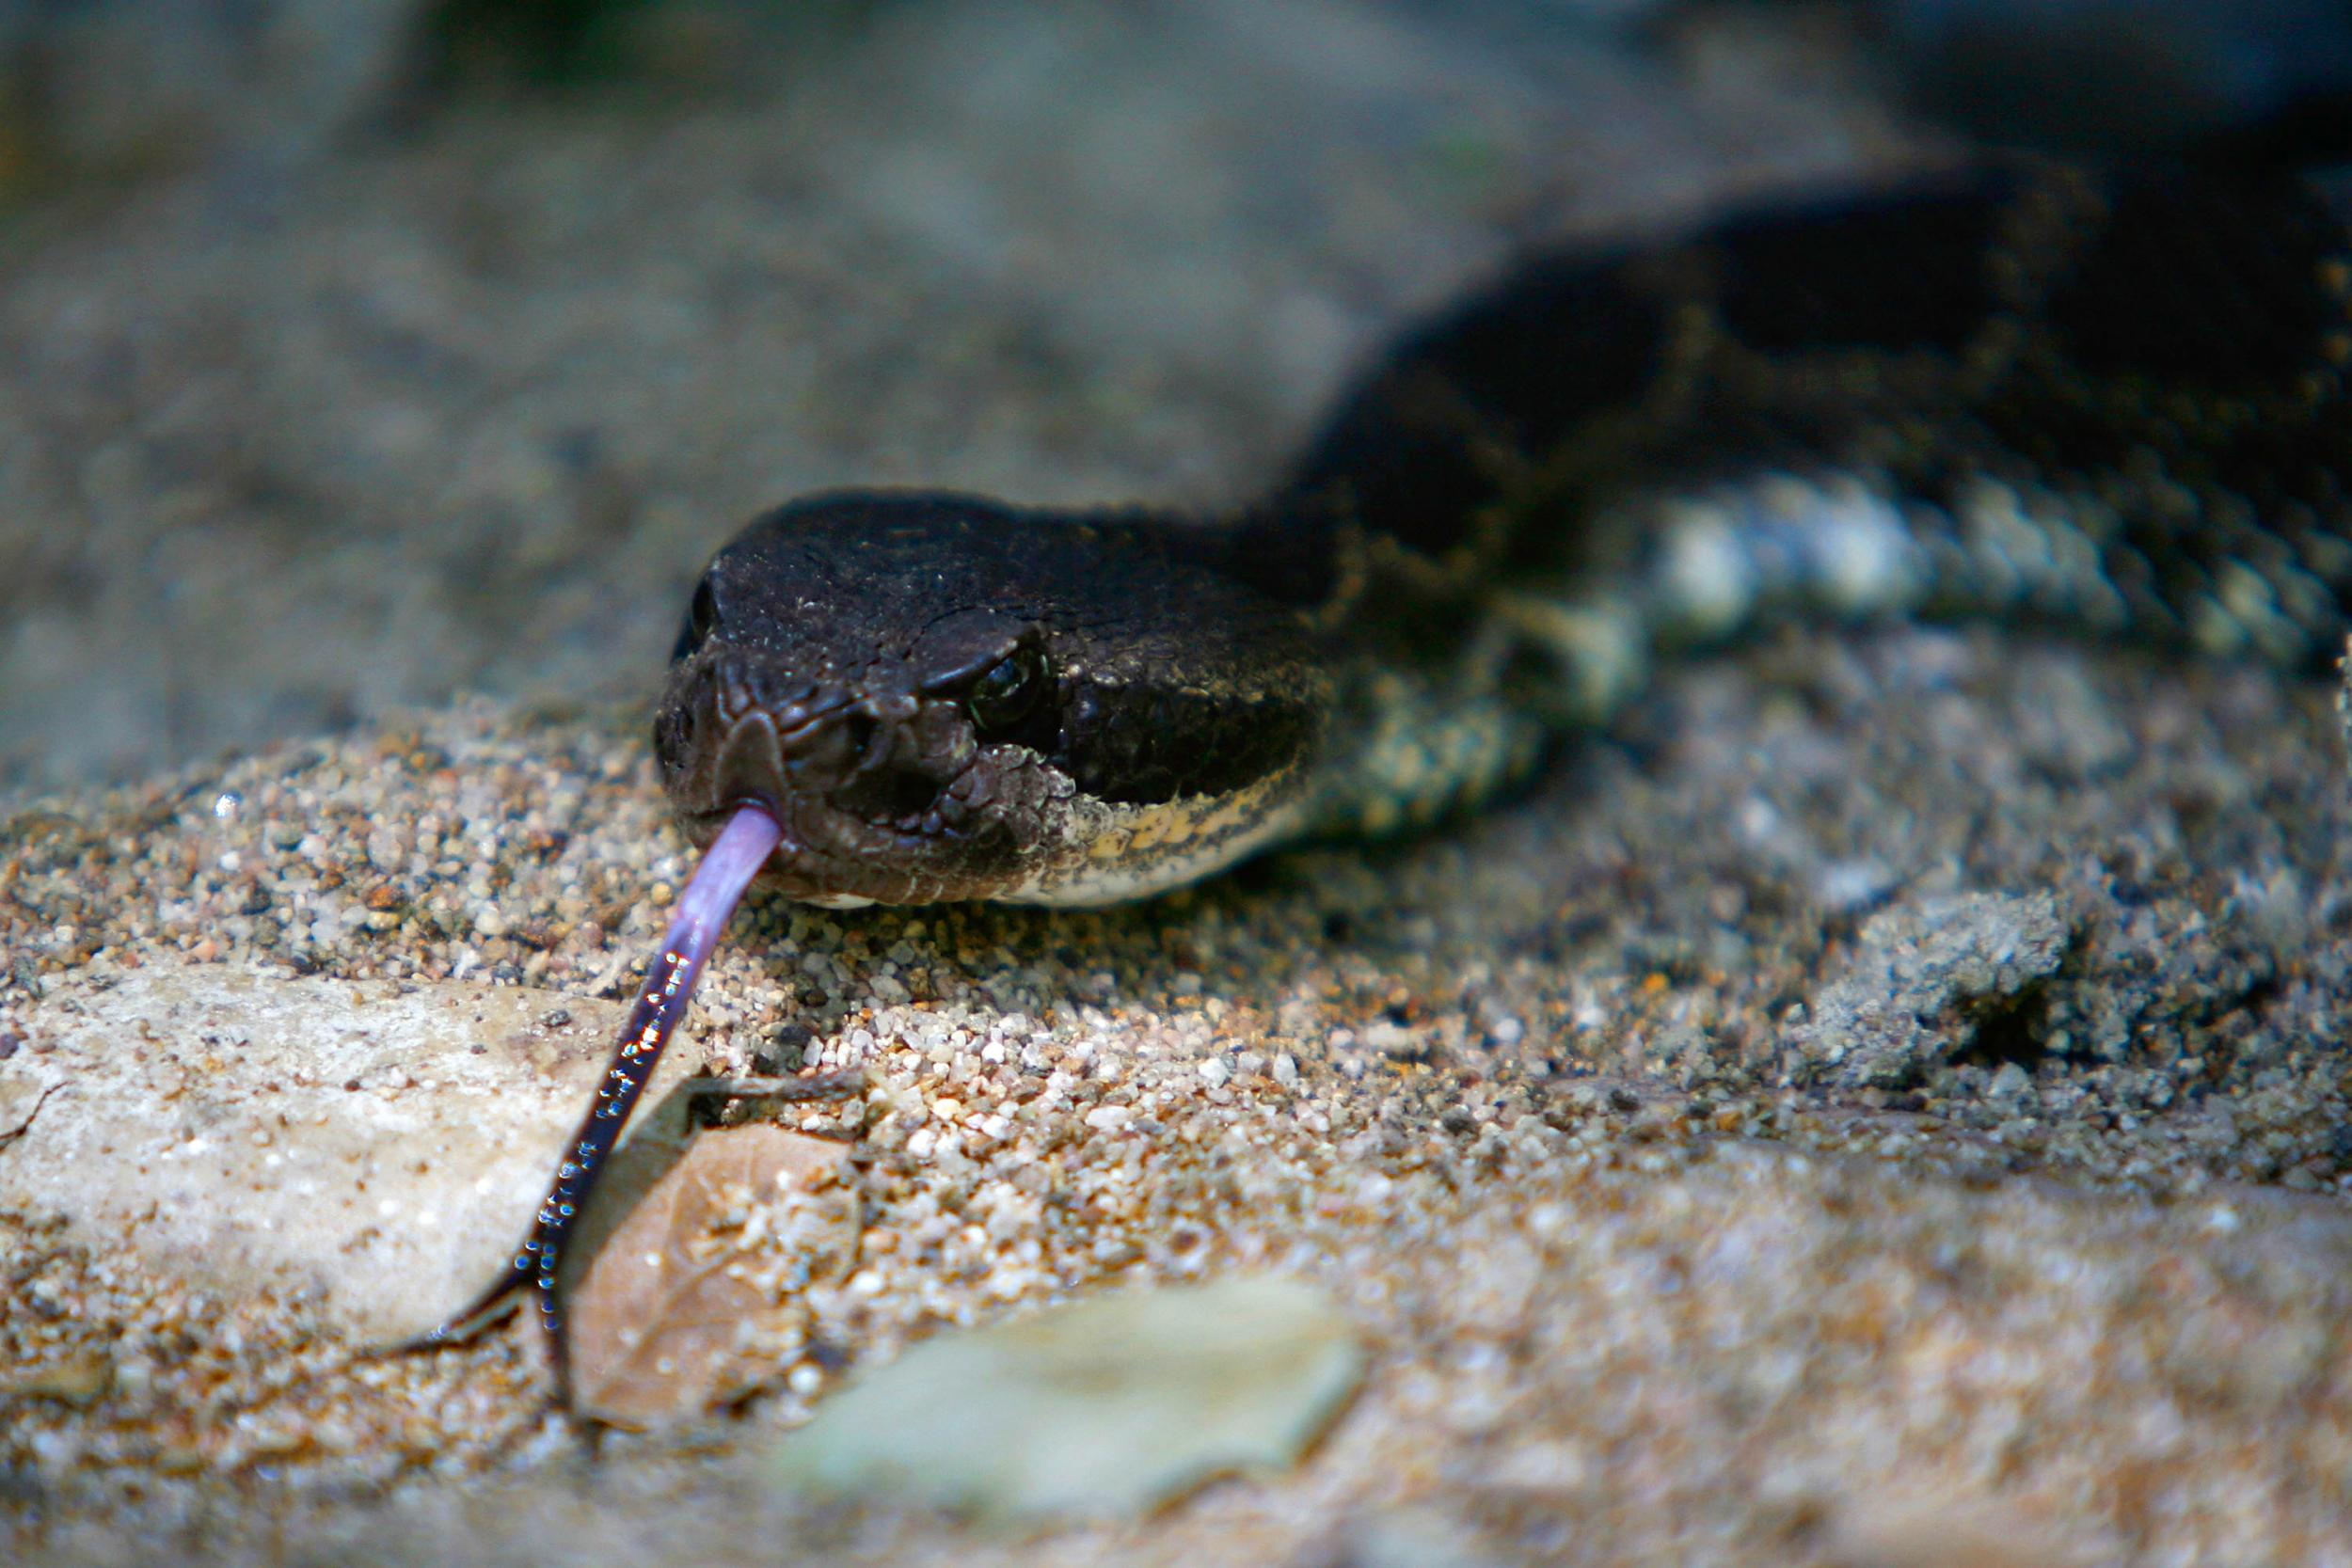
[(885, 795)]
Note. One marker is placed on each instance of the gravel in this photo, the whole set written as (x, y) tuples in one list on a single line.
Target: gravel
[(1882, 1101)]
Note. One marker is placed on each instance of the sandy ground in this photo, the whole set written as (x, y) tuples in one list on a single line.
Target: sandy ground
[(1883, 1103)]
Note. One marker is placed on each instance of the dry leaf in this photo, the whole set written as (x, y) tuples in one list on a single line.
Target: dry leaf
[(668, 1318)]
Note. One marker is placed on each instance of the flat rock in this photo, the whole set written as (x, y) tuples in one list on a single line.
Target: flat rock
[(374, 1146)]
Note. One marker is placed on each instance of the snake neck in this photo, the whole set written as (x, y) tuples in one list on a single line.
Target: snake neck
[(2010, 390)]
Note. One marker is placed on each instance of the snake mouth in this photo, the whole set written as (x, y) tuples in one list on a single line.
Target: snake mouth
[(880, 797), (800, 872)]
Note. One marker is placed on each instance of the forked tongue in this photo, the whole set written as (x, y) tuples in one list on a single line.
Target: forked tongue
[(733, 859)]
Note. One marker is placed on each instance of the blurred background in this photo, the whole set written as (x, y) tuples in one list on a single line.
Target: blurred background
[(354, 353)]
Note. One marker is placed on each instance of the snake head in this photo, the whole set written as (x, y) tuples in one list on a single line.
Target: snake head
[(940, 697)]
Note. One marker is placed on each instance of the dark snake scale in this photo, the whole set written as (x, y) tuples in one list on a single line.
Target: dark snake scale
[(2010, 389)]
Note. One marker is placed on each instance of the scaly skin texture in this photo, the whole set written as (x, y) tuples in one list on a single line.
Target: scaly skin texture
[(2006, 388), (828, 673)]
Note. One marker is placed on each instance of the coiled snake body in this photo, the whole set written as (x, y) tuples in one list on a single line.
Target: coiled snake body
[(2009, 388)]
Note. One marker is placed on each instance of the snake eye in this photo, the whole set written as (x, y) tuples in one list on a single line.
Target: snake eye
[(1010, 691), (702, 618)]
